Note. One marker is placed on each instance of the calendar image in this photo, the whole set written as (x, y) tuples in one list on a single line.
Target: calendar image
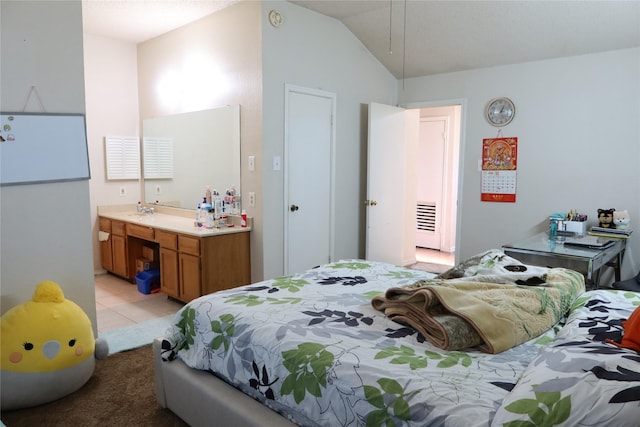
[(499, 165)]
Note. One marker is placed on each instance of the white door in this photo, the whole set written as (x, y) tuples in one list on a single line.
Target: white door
[(391, 196), (309, 147), (431, 151)]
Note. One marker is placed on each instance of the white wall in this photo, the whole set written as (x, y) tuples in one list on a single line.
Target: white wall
[(45, 228), (314, 51), (110, 76), (578, 127)]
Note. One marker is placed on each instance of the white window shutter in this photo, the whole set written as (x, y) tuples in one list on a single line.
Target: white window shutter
[(158, 158), (122, 155)]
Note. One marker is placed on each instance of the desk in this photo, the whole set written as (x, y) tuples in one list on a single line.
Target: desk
[(538, 250)]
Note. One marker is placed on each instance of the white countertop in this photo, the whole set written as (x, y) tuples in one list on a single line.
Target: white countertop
[(169, 220)]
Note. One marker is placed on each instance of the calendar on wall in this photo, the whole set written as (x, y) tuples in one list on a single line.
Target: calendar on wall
[(499, 168)]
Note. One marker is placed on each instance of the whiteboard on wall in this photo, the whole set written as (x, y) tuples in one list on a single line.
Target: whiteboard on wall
[(42, 147)]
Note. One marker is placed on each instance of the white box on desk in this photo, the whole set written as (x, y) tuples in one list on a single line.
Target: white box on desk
[(578, 227)]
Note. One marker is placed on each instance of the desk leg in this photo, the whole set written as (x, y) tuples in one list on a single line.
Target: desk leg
[(594, 282), (617, 265)]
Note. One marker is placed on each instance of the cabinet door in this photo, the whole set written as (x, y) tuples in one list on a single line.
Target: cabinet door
[(119, 255), (106, 258), (189, 277), (169, 272)]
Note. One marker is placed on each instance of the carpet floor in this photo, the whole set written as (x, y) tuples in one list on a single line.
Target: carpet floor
[(120, 393)]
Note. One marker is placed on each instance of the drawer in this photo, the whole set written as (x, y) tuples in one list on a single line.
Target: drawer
[(117, 228), (167, 240), (105, 225), (189, 245), (140, 231)]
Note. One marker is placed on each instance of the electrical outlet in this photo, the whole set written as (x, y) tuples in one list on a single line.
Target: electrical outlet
[(123, 191), (252, 163), (252, 198), (276, 163), (158, 190)]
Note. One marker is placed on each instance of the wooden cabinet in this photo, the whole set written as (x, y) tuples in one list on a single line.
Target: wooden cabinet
[(113, 251), (106, 255), (179, 265), (190, 266), (171, 270), (225, 262), (169, 280), (119, 251)]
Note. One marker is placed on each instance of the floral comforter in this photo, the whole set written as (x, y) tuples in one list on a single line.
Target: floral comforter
[(312, 347)]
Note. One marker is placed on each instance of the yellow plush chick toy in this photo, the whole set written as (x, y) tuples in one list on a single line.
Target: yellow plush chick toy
[(47, 349)]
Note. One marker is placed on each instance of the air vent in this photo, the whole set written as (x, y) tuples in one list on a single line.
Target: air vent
[(426, 220)]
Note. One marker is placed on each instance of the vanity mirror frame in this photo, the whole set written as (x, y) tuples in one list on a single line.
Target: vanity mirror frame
[(205, 150)]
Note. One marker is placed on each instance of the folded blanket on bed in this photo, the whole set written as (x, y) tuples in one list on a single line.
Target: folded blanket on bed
[(455, 314)]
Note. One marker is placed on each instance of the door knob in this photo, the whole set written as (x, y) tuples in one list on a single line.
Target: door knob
[(370, 202), (293, 208)]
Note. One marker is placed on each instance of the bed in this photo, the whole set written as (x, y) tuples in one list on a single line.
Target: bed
[(339, 345)]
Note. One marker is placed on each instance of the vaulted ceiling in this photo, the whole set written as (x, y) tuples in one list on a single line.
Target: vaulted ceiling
[(417, 37)]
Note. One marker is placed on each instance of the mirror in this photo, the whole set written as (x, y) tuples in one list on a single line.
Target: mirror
[(185, 153)]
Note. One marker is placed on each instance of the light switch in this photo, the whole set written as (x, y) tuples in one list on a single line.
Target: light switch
[(276, 163), (252, 163)]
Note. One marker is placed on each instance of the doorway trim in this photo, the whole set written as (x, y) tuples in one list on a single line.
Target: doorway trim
[(462, 102), (290, 88)]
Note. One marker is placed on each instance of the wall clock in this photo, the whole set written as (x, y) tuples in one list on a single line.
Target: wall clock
[(500, 111), (275, 19)]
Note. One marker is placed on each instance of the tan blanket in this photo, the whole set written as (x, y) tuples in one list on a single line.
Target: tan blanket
[(466, 312)]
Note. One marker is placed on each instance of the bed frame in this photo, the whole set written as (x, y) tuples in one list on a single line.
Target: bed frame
[(202, 399)]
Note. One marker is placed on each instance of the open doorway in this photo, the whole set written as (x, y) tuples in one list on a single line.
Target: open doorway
[(437, 184)]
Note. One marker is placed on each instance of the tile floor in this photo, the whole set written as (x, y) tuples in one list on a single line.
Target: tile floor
[(435, 257), (119, 304)]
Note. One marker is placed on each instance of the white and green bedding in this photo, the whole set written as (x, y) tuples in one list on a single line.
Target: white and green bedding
[(312, 347)]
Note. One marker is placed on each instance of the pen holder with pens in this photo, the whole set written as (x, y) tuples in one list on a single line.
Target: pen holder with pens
[(577, 227), (561, 225)]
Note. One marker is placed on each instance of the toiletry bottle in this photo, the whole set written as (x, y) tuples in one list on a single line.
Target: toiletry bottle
[(207, 195), (238, 206), (198, 223), (210, 218), (243, 222), (205, 205), (217, 206)]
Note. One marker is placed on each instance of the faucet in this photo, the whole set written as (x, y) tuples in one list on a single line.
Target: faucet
[(144, 209)]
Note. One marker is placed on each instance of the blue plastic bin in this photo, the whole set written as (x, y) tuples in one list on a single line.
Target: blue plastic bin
[(148, 280)]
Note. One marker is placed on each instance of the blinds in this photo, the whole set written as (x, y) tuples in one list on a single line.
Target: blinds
[(158, 158), (122, 157)]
